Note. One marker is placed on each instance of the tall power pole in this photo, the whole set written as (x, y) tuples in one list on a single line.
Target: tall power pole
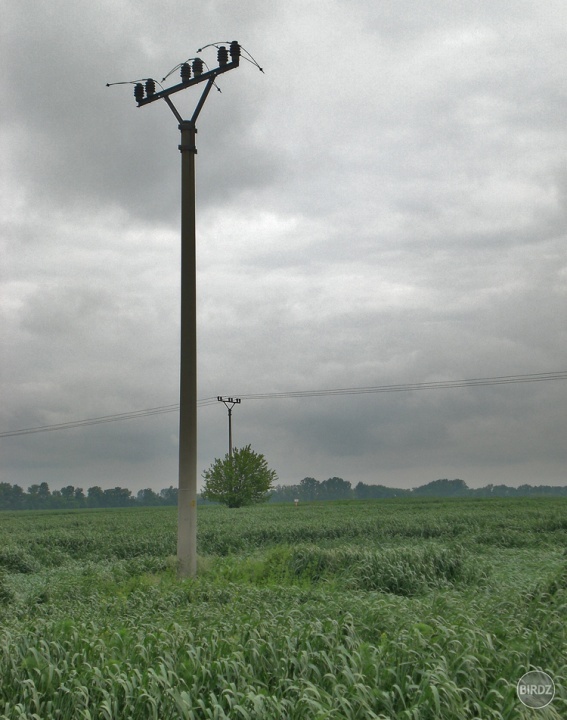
[(191, 74), (229, 404)]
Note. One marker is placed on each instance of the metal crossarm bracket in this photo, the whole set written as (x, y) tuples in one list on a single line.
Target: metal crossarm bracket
[(209, 75)]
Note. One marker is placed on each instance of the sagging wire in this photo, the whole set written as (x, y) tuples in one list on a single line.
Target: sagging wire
[(179, 66), (297, 394), (249, 59), (135, 82)]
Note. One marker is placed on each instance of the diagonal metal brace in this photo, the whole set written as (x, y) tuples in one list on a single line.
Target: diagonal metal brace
[(191, 123)]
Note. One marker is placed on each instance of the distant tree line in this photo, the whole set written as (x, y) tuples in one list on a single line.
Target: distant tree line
[(336, 488), (40, 497)]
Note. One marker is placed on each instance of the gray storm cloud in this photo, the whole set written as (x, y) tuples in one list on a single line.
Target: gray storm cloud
[(386, 204)]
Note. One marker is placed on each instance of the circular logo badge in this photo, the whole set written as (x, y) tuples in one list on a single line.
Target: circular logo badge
[(535, 689)]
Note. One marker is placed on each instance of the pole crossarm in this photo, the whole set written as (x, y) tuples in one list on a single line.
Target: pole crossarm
[(209, 75), (229, 400)]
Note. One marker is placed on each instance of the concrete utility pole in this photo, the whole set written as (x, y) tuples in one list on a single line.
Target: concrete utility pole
[(229, 403), (145, 94)]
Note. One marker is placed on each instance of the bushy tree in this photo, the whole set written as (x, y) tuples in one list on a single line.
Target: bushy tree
[(334, 488), (309, 488), (443, 488), (245, 479), (147, 497)]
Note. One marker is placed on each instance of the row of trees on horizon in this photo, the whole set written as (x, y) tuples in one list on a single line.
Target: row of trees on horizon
[(336, 488), (40, 497)]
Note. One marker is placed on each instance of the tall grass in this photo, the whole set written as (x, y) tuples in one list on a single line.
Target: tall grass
[(400, 570), (347, 610), (53, 537)]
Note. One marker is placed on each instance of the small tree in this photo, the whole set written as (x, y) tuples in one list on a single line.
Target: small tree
[(244, 480)]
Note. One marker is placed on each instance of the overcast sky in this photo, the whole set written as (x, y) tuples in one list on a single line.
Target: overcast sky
[(385, 205)]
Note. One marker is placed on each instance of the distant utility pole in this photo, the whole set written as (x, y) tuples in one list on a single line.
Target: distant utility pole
[(145, 94), (229, 403)]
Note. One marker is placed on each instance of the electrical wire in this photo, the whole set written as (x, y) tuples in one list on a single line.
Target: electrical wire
[(405, 387), (216, 45), (135, 82)]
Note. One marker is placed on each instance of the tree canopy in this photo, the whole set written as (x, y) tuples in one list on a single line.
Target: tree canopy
[(244, 479)]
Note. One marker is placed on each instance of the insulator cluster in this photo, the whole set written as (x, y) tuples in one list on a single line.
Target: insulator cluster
[(222, 55), (234, 50), (148, 89), (185, 72)]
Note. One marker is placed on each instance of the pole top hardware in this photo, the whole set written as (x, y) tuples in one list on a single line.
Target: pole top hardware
[(144, 95)]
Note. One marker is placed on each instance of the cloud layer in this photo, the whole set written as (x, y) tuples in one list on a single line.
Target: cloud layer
[(386, 204)]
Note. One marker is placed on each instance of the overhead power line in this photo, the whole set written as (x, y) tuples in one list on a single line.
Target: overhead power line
[(93, 421), (366, 390), (405, 387)]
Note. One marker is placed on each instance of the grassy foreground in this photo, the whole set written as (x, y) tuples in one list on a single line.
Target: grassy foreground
[(380, 609)]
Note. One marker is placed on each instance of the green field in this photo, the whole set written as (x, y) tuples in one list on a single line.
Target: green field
[(379, 609)]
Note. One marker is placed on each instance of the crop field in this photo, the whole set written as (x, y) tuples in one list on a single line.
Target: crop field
[(414, 609)]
